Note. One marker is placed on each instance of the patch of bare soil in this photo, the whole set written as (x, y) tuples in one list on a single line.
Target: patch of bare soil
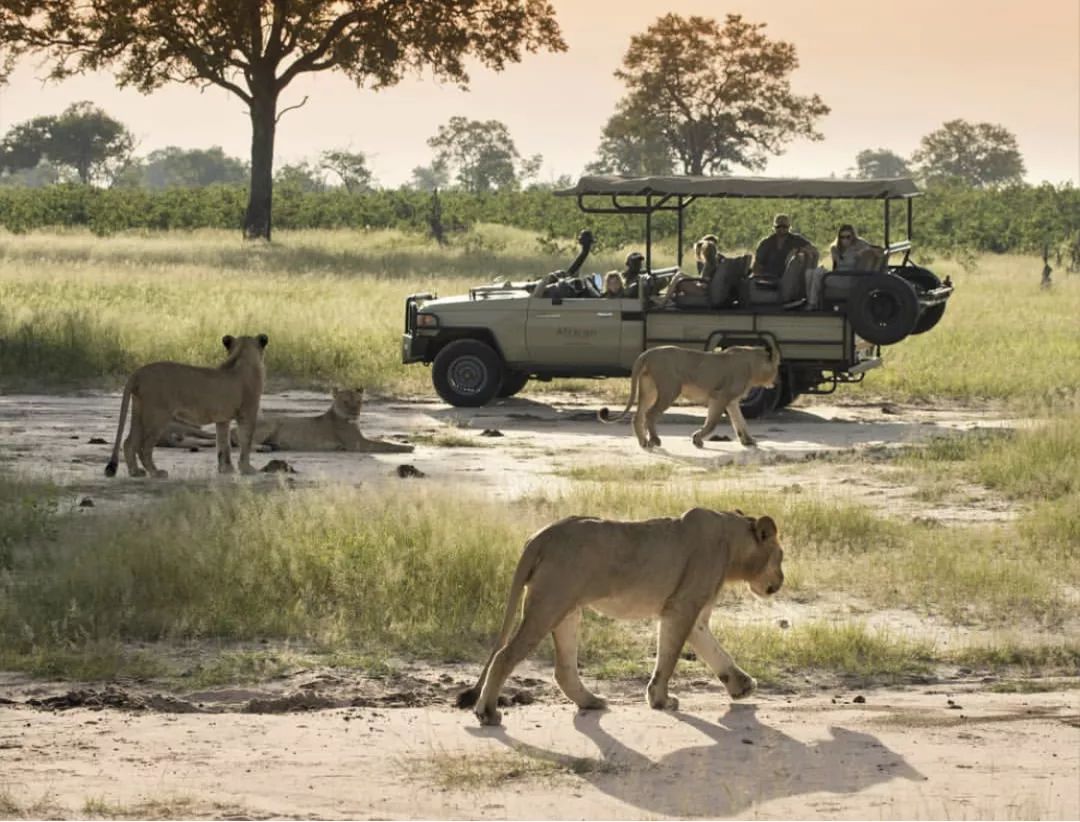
[(523, 445), (943, 752), (335, 744)]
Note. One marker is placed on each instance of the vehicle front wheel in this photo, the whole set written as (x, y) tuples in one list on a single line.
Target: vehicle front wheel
[(467, 373), (512, 382)]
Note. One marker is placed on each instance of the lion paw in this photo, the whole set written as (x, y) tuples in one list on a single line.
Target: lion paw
[(225, 468), (698, 441), (492, 717), (748, 441), (742, 687), (248, 469), (158, 473), (594, 703), (137, 472)]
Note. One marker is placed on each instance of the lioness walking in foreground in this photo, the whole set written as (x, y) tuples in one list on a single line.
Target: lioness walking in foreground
[(670, 568), (162, 391), (718, 378)]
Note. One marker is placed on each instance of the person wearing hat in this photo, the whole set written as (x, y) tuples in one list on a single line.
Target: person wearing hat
[(773, 252)]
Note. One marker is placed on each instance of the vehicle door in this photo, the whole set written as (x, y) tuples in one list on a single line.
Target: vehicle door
[(575, 331)]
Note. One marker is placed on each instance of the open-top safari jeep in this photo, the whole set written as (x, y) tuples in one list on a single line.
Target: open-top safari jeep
[(490, 342)]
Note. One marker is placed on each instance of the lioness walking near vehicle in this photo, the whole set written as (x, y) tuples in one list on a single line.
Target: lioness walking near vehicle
[(719, 378), (162, 391), (671, 568)]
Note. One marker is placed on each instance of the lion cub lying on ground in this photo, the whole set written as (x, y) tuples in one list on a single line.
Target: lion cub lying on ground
[(719, 378), (670, 568)]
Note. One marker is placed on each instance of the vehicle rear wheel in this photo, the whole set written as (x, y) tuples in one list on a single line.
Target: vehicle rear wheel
[(512, 382), (760, 401), (786, 391), (467, 373), (924, 280), (883, 308)]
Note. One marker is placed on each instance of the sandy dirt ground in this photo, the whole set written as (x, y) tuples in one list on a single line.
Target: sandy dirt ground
[(536, 441), (336, 744), (935, 753)]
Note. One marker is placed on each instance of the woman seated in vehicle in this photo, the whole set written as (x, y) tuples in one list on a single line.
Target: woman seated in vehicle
[(613, 285), (708, 257), (850, 252)]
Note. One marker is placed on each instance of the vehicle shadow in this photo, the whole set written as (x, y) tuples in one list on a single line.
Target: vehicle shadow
[(788, 433), (744, 763)]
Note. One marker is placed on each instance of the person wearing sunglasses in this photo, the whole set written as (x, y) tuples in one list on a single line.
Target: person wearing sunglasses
[(849, 252), (773, 253)]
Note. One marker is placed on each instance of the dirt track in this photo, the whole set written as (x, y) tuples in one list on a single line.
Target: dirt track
[(540, 438), (935, 753), (334, 744)]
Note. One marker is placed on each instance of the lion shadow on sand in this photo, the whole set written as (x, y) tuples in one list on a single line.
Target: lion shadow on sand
[(745, 763), (789, 433)]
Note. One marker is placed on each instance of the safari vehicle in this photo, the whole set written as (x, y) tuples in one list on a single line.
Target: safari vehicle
[(490, 342)]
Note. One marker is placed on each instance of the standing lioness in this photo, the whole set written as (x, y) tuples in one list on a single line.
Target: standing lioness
[(719, 378), (161, 391), (671, 568)]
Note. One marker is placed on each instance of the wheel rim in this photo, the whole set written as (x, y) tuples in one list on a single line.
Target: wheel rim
[(759, 400), (753, 396), (882, 307), (467, 375)]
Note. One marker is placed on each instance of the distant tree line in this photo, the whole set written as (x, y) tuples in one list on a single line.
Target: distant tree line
[(85, 144), (1017, 218), (702, 96)]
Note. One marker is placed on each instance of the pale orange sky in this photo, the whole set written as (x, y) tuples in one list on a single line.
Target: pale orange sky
[(891, 73)]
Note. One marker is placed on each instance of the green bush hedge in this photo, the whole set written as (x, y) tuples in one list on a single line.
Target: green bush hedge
[(1018, 219)]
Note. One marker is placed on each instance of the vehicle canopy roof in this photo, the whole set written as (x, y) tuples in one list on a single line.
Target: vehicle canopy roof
[(675, 193), (891, 188)]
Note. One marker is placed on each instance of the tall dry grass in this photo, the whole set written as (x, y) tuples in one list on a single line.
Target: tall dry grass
[(79, 308), (354, 570)]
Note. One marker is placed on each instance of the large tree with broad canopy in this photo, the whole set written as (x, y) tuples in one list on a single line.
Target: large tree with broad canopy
[(256, 48), (720, 94)]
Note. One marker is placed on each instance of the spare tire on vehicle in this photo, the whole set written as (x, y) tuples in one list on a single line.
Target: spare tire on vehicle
[(883, 308), (924, 280)]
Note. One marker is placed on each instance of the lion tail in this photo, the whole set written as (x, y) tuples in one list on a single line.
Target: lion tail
[(114, 460), (530, 558), (635, 380)]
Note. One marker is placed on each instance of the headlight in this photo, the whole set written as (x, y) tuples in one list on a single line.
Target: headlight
[(427, 321)]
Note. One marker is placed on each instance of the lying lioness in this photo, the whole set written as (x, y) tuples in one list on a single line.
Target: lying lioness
[(668, 568), (333, 430), (719, 378)]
